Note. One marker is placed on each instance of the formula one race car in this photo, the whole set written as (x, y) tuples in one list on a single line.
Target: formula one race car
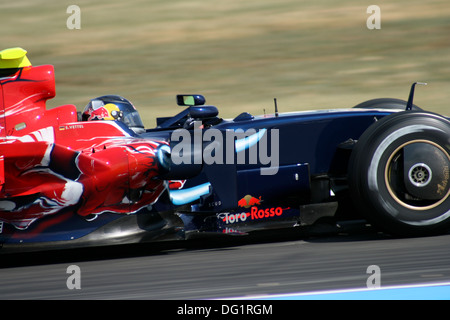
[(98, 177)]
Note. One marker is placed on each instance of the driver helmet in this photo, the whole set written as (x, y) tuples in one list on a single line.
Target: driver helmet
[(113, 107)]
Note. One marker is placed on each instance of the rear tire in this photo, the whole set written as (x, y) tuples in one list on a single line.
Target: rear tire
[(399, 174), (385, 103)]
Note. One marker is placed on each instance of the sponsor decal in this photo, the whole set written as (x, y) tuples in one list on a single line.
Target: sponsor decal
[(443, 185), (234, 217), (255, 213), (249, 201), (71, 126)]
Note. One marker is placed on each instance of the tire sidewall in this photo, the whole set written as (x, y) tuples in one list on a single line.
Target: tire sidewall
[(385, 103)]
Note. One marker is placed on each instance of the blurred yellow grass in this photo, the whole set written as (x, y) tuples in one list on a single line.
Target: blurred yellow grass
[(239, 54)]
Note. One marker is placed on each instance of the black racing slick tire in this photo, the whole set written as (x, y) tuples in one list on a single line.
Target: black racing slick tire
[(385, 103), (399, 174)]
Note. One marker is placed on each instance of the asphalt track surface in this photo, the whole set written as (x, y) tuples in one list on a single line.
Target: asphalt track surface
[(287, 262)]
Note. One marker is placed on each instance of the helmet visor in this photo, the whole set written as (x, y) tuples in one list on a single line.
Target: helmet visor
[(131, 117)]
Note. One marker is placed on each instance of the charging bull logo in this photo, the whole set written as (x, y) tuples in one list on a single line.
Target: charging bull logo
[(108, 111), (249, 201)]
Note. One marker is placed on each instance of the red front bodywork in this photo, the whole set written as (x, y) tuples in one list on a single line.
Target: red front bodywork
[(49, 161)]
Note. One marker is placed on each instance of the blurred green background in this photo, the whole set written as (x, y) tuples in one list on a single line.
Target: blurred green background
[(239, 54)]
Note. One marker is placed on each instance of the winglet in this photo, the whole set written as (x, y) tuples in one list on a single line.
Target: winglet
[(14, 58)]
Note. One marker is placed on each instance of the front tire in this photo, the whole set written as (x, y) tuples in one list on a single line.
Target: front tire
[(399, 174)]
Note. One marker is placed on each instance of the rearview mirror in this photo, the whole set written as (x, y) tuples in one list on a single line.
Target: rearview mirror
[(190, 100)]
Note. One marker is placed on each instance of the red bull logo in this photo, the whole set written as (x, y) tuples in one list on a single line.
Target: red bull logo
[(98, 114), (108, 111), (249, 201)]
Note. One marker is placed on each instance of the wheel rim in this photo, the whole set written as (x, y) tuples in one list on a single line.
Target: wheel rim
[(419, 175)]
